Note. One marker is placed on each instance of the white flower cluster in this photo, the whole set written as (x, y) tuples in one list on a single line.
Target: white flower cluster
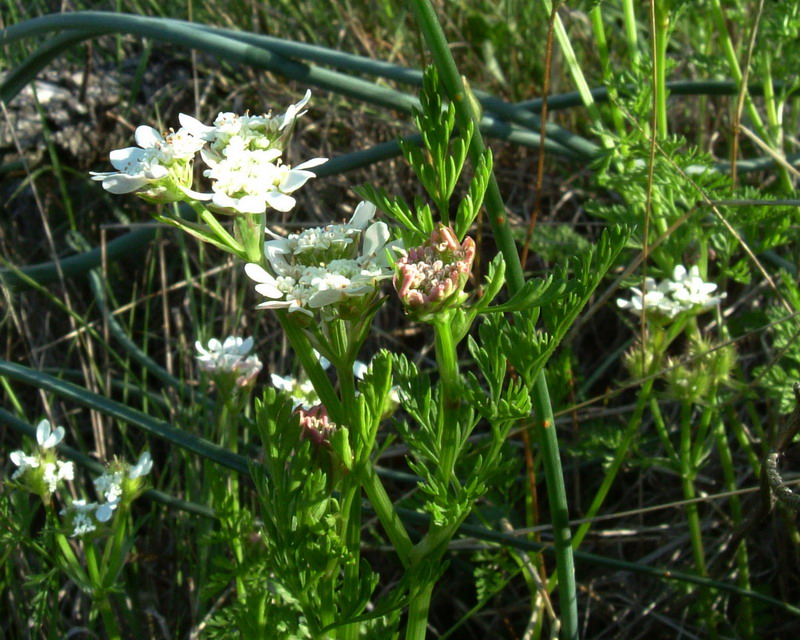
[(243, 154), (230, 356), (323, 266), (686, 291), (42, 469), (305, 397), (159, 169), (121, 481)]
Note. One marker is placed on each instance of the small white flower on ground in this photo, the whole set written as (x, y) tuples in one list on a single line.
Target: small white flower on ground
[(656, 299)]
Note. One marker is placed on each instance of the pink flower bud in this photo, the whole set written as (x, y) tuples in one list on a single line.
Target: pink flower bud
[(432, 277), (315, 425)]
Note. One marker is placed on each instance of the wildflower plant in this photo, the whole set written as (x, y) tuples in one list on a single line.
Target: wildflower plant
[(325, 284)]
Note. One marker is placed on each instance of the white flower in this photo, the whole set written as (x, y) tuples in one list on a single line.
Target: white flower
[(229, 357), (686, 291), (84, 516), (104, 511), (248, 181), (160, 168), (142, 466), (257, 132), (56, 471), (46, 436), (322, 267), (690, 290), (24, 462), (304, 288), (323, 244), (655, 299), (109, 485)]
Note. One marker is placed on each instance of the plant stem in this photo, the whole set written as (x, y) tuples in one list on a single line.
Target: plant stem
[(596, 16), (619, 457), (559, 512), (296, 337), (661, 40), (693, 518), (418, 613), (448, 429), (384, 509), (351, 534), (99, 594), (629, 19), (729, 473)]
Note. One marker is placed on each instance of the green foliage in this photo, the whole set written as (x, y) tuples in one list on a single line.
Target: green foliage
[(302, 523), (438, 166), (778, 378)]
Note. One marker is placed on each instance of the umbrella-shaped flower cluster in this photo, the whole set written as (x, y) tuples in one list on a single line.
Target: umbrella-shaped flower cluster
[(243, 153), (229, 357), (686, 291), (324, 267)]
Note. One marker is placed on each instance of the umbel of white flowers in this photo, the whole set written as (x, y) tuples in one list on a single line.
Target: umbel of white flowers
[(41, 472), (231, 357), (686, 291), (243, 153), (324, 267), (120, 484)]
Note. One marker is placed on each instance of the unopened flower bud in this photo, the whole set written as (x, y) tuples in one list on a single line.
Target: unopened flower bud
[(431, 277)]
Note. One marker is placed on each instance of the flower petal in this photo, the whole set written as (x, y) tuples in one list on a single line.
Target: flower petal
[(147, 137)]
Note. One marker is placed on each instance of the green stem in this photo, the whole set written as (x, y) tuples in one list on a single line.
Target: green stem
[(388, 516), (501, 230), (729, 474), (298, 340), (250, 228), (662, 39), (351, 509), (623, 449), (448, 429), (693, 518), (418, 613), (631, 37), (559, 512), (99, 593), (663, 434), (598, 28)]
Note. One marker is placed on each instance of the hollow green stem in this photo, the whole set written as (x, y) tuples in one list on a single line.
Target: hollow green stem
[(661, 35), (418, 613)]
